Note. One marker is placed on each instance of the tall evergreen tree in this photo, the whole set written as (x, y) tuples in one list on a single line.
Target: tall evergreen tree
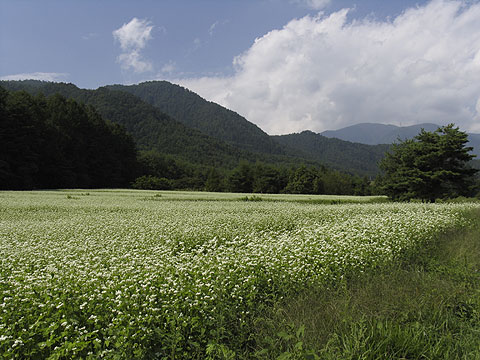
[(430, 166)]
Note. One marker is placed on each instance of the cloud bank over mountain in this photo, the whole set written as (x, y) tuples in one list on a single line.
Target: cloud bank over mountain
[(326, 72)]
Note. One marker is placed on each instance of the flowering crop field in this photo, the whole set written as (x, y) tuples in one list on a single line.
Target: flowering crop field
[(138, 274)]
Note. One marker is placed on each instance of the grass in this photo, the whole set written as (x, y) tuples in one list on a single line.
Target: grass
[(426, 307)]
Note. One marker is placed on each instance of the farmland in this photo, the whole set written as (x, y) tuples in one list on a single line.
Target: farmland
[(148, 274)]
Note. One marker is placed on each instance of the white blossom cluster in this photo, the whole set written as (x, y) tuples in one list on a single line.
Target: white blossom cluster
[(124, 274)]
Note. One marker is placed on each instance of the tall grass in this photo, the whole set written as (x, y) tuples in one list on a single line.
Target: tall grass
[(426, 307)]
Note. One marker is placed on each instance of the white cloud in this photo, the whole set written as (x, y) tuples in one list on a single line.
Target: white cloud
[(168, 68), (134, 60), (323, 72), (44, 76), (313, 4), (133, 38), (212, 28)]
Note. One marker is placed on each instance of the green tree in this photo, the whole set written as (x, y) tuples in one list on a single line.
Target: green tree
[(430, 166), (302, 180), (267, 179), (214, 180), (241, 178), (149, 182)]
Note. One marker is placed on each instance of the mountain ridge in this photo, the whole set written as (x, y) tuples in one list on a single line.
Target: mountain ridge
[(208, 117), (376, 134)]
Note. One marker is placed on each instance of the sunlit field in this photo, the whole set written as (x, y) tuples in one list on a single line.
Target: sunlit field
[(147, 274)]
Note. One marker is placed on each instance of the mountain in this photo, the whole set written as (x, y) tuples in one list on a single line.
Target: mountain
[(474, 141), (342, 155), (374, 134), (210, 118), (223, 124), (152, 129)]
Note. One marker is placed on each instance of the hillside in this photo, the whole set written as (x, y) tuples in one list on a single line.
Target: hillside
[(221, 123), (339, 154), (374, 134), (150, 128), (205, 116), (225, 138), (58, 143)]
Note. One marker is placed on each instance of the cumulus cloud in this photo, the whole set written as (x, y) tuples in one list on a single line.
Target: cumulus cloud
[(133, 38), (325, 72), (44, 76)]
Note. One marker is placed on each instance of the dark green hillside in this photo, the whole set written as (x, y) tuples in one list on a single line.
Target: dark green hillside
[(342, 155), (208, 117), (151, 129), (186, 156), (154, 130), (58, 143)]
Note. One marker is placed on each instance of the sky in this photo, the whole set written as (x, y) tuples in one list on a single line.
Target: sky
[(285, 65)]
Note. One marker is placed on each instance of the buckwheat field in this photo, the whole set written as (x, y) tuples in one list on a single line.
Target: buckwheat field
[(138, 274)]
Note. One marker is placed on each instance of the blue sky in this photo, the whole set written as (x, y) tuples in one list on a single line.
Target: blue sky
[(286, 65)]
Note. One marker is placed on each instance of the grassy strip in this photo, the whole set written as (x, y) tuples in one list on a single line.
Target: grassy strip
[(425, 308)]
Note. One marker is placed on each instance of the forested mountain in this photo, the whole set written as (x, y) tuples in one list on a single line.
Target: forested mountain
[(208, 117), (151, 128), (221, 123), (173, 155), (58, 143), (154, 130), (338, 154)]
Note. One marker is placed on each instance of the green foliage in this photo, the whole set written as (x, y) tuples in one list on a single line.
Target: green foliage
[(251, 198), (215, 181), (56, 142), (241, 178), (207, 117), (341, 155), (433, 165), (149, 182)]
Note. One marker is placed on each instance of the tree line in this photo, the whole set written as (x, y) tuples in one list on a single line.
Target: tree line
[(164, 172)]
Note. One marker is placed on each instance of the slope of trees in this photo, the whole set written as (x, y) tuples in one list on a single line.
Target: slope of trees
[(57, 143), (432, 165), (339, 154), (172, 155), (154, 130), (205, 116)]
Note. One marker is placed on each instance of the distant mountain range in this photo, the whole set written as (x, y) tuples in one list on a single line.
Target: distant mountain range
[(375, 134), (175, 121)]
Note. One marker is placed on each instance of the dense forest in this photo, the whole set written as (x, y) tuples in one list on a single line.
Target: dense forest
[(56, 142), (59, 136), (209, 118), (335, 153), (226, 125)]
